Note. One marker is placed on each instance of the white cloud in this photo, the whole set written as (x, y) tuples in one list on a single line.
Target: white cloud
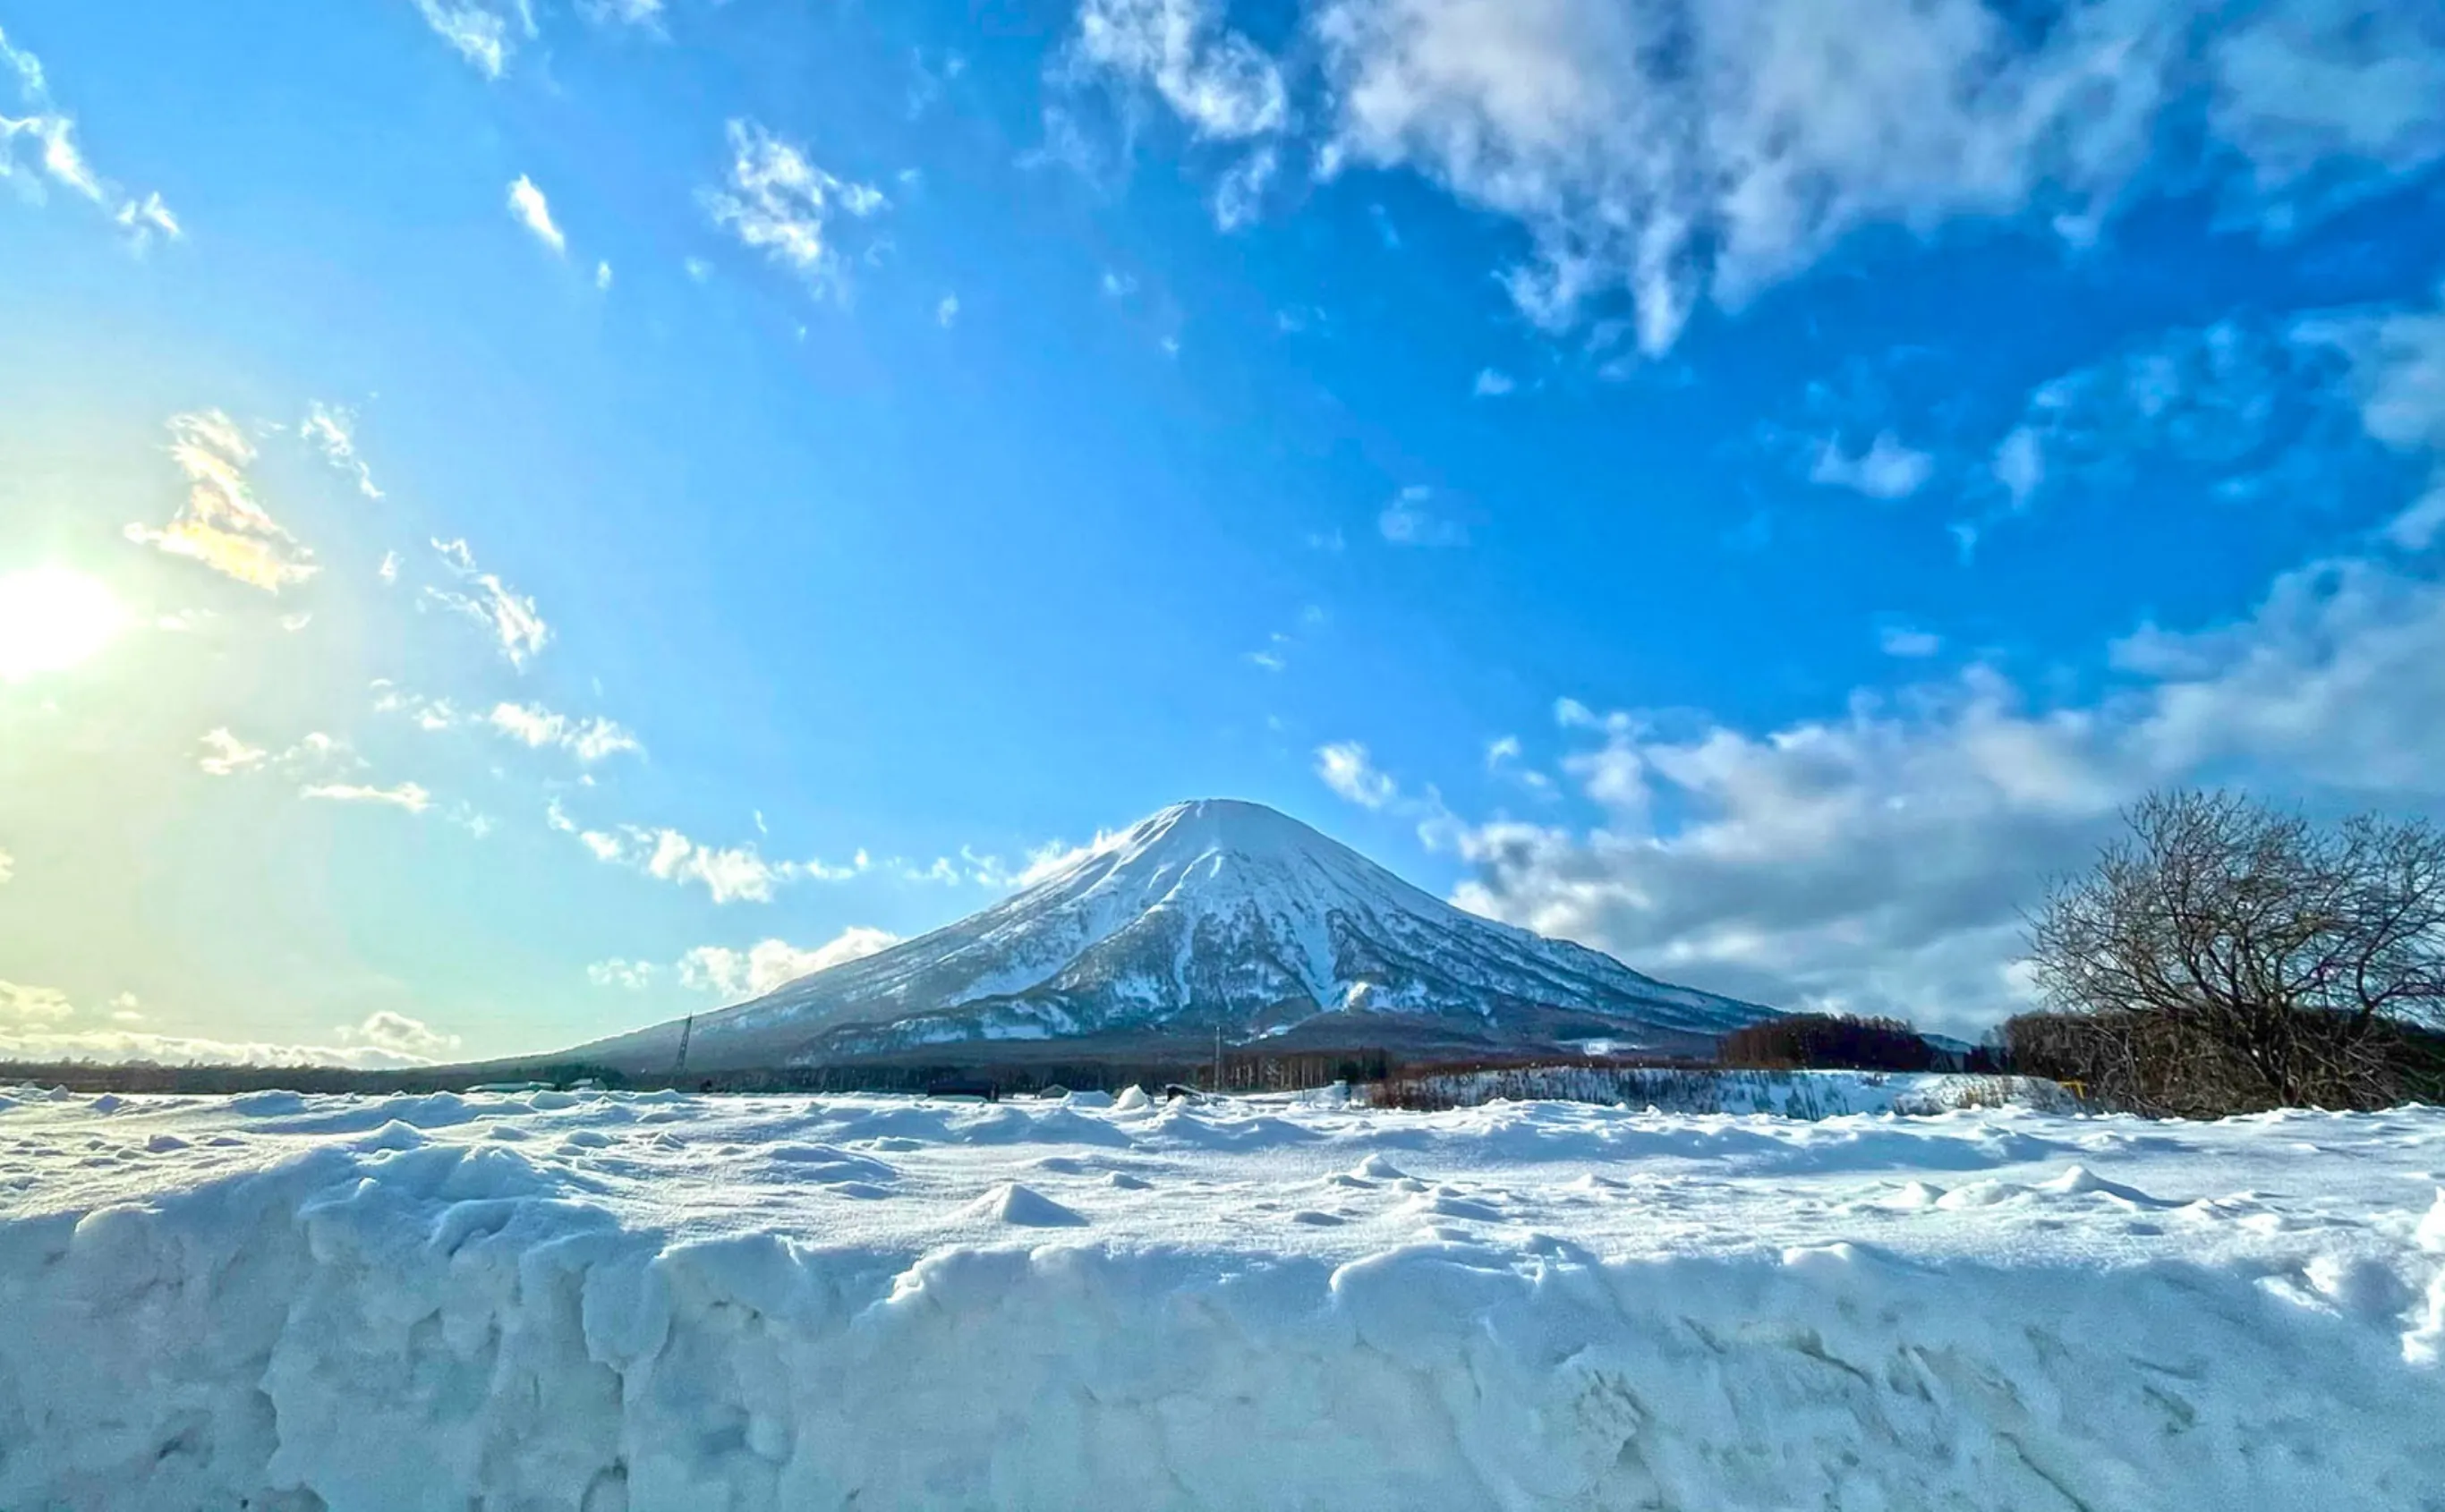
[(1503, 749), (225, 755), (221, 525), (1347, 769), (389, 570), (510, 617), (646, 14), (332, 430), (628, 975), (602, 277), (2398, 375), (1240, 193), (1907, 642), (533, 211), (739, 975), (727, 873), (947, 311), (1412, 520), (779, 202), (407, 796), (1214, 79), (1877, 860), (2227, 398), (1887, 470), (49, 134), (34, 1027), (589, 740), (398, 1034), (37, 1005), (2019, 463), (431, 715), (1492, 384), (2319, 96), (485, 32), (1680, 152)]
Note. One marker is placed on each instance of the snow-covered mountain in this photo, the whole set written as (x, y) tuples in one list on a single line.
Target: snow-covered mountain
[(1210, 914)]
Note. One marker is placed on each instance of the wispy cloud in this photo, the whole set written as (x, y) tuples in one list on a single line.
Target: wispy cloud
[(425, 714), (35, 1026), (947, 311), (485, 32), (777, 201), (738, 975), (1240, 193), (590, 739), (43, 1005), (2398, 381), (727, 873), (1350, 771), (1491, 383), (221, 524), (1887, 470), (1217, 82), (1908, 642), (398, 1034), (628, 975), (643, 13), (2227, 399), (530, 208), (332, 430), (510, 617), (1876, 859), (226, 755), (1412, 519), (408, 795), (1686, 155), (51, 135)]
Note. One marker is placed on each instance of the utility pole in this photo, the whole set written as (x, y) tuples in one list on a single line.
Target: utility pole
[(686, 1026), (1218, 1056)]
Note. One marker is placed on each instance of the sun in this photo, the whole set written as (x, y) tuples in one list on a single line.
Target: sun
[(51, 618)]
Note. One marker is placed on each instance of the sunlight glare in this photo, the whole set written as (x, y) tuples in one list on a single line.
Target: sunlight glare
[(51, 618)]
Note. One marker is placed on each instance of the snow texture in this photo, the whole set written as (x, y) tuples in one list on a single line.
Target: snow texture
[(1212, 913), (1792, 1094), (591, 1301)]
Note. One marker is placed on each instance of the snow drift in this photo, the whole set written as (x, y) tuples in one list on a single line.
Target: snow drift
[(603, 1301)]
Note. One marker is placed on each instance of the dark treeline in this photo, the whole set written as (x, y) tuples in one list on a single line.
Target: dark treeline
[(1831, 1042), (2172, 1065)]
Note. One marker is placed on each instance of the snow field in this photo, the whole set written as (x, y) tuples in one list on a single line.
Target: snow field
[(597, 1301)]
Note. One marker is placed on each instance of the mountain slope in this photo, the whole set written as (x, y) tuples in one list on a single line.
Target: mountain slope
[(1210, 914)]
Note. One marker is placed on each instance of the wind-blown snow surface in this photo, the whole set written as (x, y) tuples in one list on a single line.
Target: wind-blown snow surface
[(597, 1301)]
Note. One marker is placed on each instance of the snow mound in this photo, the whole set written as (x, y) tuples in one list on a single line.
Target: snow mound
[(1010, 1203), (383, 1305)]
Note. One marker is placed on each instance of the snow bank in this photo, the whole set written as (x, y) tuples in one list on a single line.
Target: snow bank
[(593, 1302)]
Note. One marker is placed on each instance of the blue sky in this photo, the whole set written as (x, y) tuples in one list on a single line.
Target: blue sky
[(519, 519)]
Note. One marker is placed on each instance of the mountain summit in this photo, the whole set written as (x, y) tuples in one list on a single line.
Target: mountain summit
[(1212, 914)]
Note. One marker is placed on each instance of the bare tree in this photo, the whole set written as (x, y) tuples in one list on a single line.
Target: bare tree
[(2227, 954)]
